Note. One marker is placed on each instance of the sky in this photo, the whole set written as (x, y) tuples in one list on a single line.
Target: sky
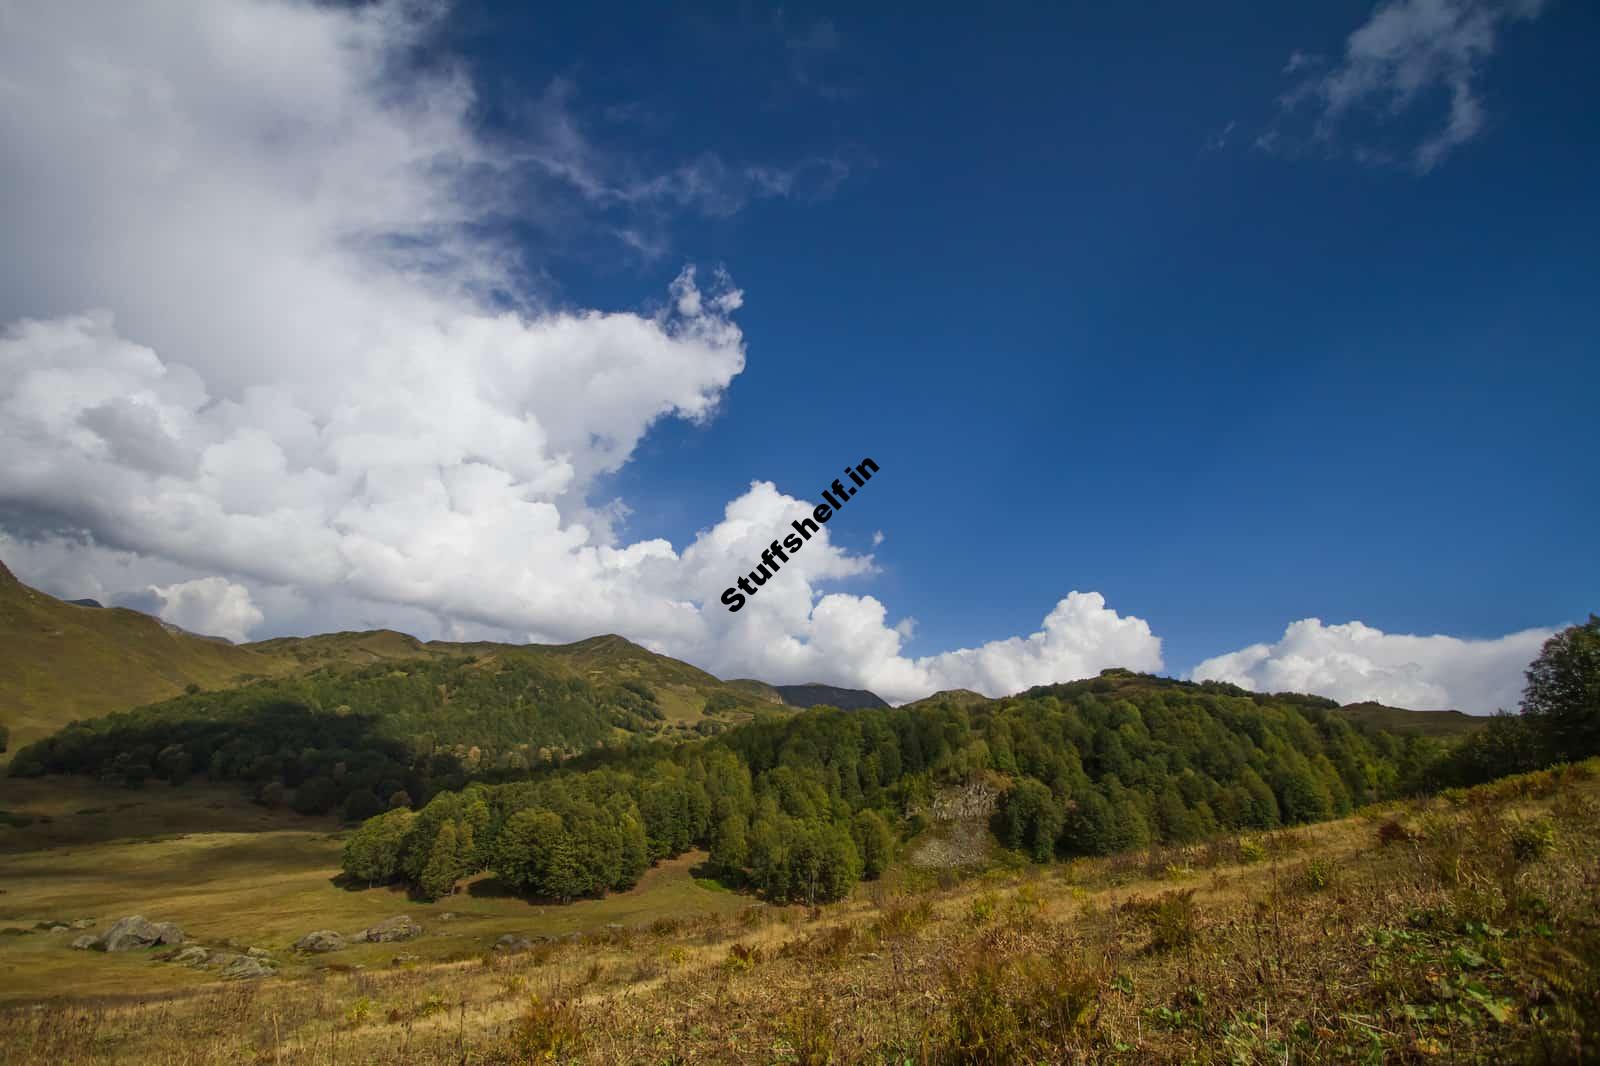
[(1243, 342)]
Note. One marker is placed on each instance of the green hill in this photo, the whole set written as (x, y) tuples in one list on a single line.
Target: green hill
[(1399, 720), (64, 661), (814, 694)]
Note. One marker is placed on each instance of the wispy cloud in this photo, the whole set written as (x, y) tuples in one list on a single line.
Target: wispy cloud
[(561, 147), (1408, 56)]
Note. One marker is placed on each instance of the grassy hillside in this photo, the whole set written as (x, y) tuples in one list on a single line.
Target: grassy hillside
[(1458, 929), (62, 662)]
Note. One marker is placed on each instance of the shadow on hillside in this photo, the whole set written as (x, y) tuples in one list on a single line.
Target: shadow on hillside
[(491, 887), (708, 876)]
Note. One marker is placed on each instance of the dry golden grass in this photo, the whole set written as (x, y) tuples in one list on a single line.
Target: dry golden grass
[(1472, 939)]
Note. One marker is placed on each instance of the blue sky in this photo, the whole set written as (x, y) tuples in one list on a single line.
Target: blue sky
[(1235, 316), (1096, 349)]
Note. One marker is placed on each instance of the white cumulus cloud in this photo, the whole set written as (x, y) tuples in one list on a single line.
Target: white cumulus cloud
[(1353, 662), (213, 606), (265, 369)]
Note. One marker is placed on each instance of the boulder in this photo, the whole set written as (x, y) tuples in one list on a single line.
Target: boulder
[(83, 923), (129, 933), (86, 941), (168, 933), (258, 953), (320, 941), (512, 942), (244, 968), (400, 927), (191, 956)]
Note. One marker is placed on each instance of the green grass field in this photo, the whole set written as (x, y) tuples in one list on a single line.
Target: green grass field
[(232, 873)]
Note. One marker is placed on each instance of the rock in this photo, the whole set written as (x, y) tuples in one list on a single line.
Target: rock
[(512, 942), (244, 968), (448, 916), (320, 941), (258, 953), (59, 928), (168, 933), (85, 942), (83, 923), (401, 960), (129, 933), (191, 956), (397, 928)]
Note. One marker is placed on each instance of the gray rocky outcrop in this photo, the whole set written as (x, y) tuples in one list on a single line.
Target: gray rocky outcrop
[(400, 927), (320, 941), (245, 968), (136, 932)]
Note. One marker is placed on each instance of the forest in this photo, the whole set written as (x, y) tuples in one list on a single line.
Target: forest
[(801, 808), (554, 785), (357, 739)]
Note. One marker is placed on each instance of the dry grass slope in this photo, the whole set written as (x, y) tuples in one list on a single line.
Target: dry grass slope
[(1458, 929), (63, 662)]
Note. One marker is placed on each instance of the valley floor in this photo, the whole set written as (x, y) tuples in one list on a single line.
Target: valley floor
[(1458, 929)]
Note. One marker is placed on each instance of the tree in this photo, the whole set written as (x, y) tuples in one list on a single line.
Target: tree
[(1562, 697), (729, 848), (362, 804), (442, 869), (316, 795), (372, 854), (874, 841), (1030, 819)]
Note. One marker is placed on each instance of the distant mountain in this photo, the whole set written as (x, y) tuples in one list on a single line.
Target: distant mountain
[(956, 697), (1399, 720), (815, 695), (757, 689), (61, 661)]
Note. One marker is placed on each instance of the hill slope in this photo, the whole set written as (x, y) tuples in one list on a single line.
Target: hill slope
[(814, 694), (1401, 721), (64, 662)]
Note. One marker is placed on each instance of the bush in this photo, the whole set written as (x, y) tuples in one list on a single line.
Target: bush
[(1392, 832), (1170, 917), (1023, 1010), (1531, 840), (546, 1032)]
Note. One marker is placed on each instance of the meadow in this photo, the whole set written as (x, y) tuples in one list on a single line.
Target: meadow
[(1458, 928)]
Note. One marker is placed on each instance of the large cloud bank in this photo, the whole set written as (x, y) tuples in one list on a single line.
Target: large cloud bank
[(1354, 662), (260, 364)]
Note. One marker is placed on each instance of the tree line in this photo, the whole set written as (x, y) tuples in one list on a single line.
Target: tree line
[(801, 808), (359, 740)]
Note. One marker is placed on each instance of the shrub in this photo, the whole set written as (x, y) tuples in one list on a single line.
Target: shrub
[(1171, 919), (546, 1032), (1314, 876), (1392, 832), (1023, 1010), (1531, 840)]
